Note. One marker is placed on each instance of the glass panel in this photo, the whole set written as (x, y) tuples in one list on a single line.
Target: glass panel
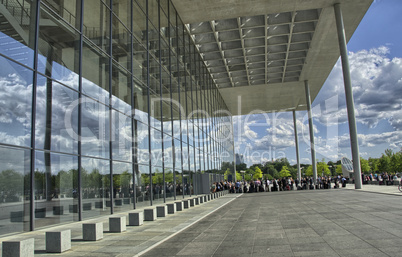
[(140, 62), (121, 137), (176, 124), (56, 188), (121, 88), (190, 132), (95, 73), (96, 23), (179, 184), (185, 156), (121, 43), (140, 102), (15, 190), (122, 9), (139, 24), (167, 151), (156, 147), (192, 160), (56, 117), (167, 117), (95, 179), (169, 183), (157, 184), (122, 186), (155, 111), (95, 132), (184, 130), (177, 156), (66, 10), (141, 148), (18, 26), (142, 4), (142, 184), (58, 49), (153, 12), (15, 103)]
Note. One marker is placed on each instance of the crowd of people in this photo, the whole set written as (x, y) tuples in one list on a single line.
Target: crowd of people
[(382, 178), (282, 184)]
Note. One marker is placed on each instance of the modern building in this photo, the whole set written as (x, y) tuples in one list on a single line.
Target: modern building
[(347, 168), (239, 159), (110, 105)]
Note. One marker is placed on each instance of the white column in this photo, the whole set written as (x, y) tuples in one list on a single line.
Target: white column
[(349, 96), (311, 129), (297, 146)]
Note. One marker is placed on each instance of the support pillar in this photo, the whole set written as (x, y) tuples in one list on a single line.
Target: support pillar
[(311, 129), (234, 154), (349, 96), (297, 146)]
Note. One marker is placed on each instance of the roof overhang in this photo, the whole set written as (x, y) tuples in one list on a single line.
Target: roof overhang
[(260, 52)]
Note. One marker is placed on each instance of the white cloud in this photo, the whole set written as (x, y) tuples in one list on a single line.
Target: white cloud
[(377, 87)]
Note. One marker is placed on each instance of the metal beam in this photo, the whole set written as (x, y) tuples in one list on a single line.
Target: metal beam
[(297, 146), (349, 96), (311, 129)]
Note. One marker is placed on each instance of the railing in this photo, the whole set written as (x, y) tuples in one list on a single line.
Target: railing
[(17, 9)]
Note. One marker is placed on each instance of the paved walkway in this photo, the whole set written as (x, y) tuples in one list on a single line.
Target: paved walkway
[(377, 189), (340, 222), (297, 223)]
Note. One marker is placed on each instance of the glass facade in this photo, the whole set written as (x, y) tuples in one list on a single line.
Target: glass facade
[(105, 106)]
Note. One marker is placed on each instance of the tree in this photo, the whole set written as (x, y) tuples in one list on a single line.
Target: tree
[(364, 165), (293, 171), (225, 166), (384, 163), (396, 162), (373, 162), (323, 169), (227, 173), (339, 169), (239, 176), (309, 171), (284, 171), (257, 173), (270, 170), (241, 166), (279, 163)]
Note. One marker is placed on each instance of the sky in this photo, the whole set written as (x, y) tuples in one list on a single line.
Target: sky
[(375, 58)]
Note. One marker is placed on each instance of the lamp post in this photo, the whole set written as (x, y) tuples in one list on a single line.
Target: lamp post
[(242, 172)]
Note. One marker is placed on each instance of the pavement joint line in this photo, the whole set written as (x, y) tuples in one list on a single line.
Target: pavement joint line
[(189, 225), (373, 192)]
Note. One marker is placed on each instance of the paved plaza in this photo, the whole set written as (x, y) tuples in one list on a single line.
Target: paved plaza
[(342, 222), (298, 223)]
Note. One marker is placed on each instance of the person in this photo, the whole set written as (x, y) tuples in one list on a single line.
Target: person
[(343, 181), (237, 186), (251, 188), (267, 185)]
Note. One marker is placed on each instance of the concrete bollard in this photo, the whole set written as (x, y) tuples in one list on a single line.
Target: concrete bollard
[(171, 208), (58, 241), (150, 214), (18, 248), (136, 218), (117, 224), (192, 202), (186, 204), (92, 231), (161, 210), (179, 205)]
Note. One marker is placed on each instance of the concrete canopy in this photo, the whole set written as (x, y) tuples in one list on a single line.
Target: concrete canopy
[(260, 52)]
